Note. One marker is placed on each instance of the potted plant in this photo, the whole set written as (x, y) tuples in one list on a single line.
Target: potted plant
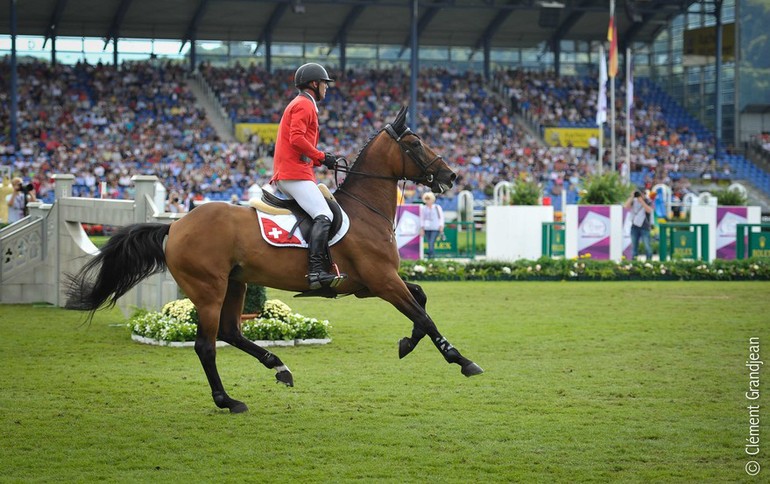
[(605, 189), (525, 192), (254, 302)]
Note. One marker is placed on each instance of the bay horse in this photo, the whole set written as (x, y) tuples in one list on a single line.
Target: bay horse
[(213, 251)]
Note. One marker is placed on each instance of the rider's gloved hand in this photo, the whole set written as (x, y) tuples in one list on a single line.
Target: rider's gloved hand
[(329, 161)]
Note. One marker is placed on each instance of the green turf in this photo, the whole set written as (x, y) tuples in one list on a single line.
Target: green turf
[(584, 382)]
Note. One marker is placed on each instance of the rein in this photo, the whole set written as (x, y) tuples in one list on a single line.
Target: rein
[(363, 202)]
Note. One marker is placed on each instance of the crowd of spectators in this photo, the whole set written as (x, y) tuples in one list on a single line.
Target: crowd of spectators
[(457, 115), (660, 152), (106, 124), (103, 124)]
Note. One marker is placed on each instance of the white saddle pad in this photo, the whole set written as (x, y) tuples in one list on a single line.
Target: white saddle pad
[(276, 230)]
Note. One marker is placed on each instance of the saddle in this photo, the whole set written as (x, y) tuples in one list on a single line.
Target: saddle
[(293, 219), (280, 220)]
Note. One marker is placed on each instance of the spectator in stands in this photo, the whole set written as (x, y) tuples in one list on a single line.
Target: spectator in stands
[(641, 208), (431, 222), (17, 201), (295, 156)]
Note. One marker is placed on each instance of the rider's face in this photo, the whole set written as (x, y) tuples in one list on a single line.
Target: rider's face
[(322, 87)]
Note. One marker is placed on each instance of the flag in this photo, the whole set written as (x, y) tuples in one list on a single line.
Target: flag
[(612, 36), (601, 103)]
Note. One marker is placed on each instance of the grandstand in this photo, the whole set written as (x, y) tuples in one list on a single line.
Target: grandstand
[(484, 95)]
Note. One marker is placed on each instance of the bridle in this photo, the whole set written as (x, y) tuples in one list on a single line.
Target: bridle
[(424, 177)]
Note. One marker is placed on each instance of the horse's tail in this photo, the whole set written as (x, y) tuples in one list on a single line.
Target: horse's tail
[(133, 253)]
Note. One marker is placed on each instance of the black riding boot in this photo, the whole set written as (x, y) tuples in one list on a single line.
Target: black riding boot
[(318, 276)]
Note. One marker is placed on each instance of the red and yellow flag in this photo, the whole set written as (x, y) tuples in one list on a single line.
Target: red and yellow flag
[(612, 36)]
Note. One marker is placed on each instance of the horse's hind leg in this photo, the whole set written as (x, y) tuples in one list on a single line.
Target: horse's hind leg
[(208, 298), (206, 348), (230, 332), (407, 344)]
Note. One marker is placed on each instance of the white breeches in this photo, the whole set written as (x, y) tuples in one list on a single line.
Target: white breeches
[(307, 194)]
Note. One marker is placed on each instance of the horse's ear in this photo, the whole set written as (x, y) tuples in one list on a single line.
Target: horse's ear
[(400, 121)]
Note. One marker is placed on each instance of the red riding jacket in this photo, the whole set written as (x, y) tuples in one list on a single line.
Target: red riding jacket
[(295, 148)]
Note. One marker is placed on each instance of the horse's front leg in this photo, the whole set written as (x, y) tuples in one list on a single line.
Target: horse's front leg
[(407, 344), (402, 296)]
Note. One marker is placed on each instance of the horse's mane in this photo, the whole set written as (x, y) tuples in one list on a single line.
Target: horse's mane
[(359, 156), (398, 125)]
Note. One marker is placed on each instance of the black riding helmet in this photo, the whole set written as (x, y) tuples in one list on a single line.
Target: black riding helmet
[(310, 72)]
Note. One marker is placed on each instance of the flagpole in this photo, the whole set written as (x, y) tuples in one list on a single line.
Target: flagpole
[(602, 92), (612, 86), (601, 148), (612, 121), (629, 102)]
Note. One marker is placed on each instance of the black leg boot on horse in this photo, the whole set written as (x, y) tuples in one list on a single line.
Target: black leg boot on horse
[(318, 256)]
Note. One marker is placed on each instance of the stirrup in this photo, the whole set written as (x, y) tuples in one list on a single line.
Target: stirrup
[(317, 280)]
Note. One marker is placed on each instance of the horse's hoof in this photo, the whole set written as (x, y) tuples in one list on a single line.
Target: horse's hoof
[(405, 347), (285, 377), (238, 407), (472, 369)]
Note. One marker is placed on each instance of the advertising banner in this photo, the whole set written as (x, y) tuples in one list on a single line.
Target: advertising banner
[(445, 246), (267, 132), (408, 239), (684, 244), (628, 251), (727, 219), (577, 137), (557, 240), (759, 244), (594, 231)]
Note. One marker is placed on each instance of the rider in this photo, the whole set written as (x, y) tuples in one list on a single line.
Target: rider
[(295, 156)]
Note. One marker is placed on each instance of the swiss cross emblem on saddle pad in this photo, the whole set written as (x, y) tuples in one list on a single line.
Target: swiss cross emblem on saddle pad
[(284, 224)]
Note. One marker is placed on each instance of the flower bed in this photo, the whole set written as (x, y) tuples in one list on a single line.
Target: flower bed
[(586, 269), (176, 325)]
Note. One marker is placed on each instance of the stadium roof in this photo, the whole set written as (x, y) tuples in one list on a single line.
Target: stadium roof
[(458, 23)]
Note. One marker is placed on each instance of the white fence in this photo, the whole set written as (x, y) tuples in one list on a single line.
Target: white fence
[(40, 249)]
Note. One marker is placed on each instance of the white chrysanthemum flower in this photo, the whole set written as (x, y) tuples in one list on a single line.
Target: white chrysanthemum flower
[(276, 309)]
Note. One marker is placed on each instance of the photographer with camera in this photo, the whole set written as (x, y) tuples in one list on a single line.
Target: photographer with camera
[(17, 201), (174, 204), (641, 209)]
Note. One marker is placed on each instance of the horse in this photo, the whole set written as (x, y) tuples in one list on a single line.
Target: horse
[(216, 249)]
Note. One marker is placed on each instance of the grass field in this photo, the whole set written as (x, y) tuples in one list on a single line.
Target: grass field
[(584, 382)]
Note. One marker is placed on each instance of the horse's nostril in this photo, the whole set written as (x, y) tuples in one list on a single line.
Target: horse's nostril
[(453, 177)]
